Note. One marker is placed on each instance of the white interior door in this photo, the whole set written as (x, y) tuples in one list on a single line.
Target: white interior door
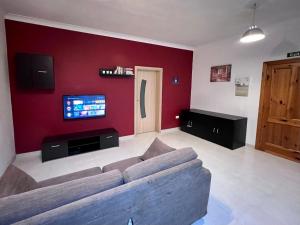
[(146, 101)]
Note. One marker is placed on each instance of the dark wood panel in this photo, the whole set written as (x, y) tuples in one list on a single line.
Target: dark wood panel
[(223, 129), (42, 72), (76, 143), (34, 71)]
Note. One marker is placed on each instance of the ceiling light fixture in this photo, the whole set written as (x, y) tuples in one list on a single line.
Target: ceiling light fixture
[(254, 33)]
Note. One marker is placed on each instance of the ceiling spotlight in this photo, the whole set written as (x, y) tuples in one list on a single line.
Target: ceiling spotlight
[(254, 33)]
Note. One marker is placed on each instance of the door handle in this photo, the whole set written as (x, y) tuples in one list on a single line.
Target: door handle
[(214, 130), (108, 137), (55, 146), (217, 130), (42, 71), (142, 98)]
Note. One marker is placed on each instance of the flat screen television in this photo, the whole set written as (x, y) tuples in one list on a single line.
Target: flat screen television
[(84, 106)]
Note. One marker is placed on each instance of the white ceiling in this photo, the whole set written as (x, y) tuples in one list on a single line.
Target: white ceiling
[(184, 22)]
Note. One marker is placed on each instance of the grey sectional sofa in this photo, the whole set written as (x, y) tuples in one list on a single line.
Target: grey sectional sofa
[(168, 189)]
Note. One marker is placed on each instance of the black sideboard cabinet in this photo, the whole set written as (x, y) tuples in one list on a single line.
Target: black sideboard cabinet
[(34, 71), (77, 143), (223, 129)]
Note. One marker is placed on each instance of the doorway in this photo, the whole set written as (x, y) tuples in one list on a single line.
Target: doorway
[(147, 99), (278, 129)]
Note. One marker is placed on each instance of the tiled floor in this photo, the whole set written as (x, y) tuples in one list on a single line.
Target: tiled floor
[(249, 187)]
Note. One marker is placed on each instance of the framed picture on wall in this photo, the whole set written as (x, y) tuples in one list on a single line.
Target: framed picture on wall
[(220, 73), (242, 86)]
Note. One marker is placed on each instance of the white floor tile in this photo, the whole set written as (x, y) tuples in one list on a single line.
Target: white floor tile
[(249, 187)]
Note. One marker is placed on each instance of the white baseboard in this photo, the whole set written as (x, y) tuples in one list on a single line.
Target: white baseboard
[(164, 131), (170, 130), (128, 137), (250, 145)]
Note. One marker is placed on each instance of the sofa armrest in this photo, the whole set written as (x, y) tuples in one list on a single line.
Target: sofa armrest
[(19, 207), (15, 181)]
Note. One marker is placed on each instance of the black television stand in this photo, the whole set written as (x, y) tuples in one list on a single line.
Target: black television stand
[(76, 143)]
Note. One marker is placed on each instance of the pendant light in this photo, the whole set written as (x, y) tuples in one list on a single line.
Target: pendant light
[(254, 33)]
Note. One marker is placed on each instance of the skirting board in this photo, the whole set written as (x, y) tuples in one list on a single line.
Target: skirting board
[(250, 145), (170, 130), (164, 131), (125, 138)]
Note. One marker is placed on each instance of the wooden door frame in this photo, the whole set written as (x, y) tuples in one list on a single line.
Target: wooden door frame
[(258, 142), (159, 74), (259, 129)]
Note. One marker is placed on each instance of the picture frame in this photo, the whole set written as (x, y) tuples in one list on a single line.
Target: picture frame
[(220, 73), (242, 86)]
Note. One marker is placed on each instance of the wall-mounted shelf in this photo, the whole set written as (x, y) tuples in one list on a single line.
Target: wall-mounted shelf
[(116, 75), (118, 72)]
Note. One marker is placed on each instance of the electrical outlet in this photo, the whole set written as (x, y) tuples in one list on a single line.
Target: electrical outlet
[(177, 117)]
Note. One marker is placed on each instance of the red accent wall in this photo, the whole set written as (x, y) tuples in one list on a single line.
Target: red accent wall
[(77, 59)]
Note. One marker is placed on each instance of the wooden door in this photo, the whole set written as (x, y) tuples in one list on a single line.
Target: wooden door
[(278, 129), (147, 101)]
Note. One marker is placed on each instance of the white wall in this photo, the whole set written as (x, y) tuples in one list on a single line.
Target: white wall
[(246, 60), (7, 146)]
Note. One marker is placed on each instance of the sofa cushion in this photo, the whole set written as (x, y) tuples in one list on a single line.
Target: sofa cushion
[(159, 163), (19, 207), (72, 176), (122, 165), (15, 181), (177, 196), (156, 148)]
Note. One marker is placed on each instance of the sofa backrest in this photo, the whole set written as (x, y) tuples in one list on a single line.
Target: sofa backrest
[(159, 163), (176, 196), (18, 207), (71, 176)]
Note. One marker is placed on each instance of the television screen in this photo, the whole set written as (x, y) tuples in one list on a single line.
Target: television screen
[(83, 106)]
